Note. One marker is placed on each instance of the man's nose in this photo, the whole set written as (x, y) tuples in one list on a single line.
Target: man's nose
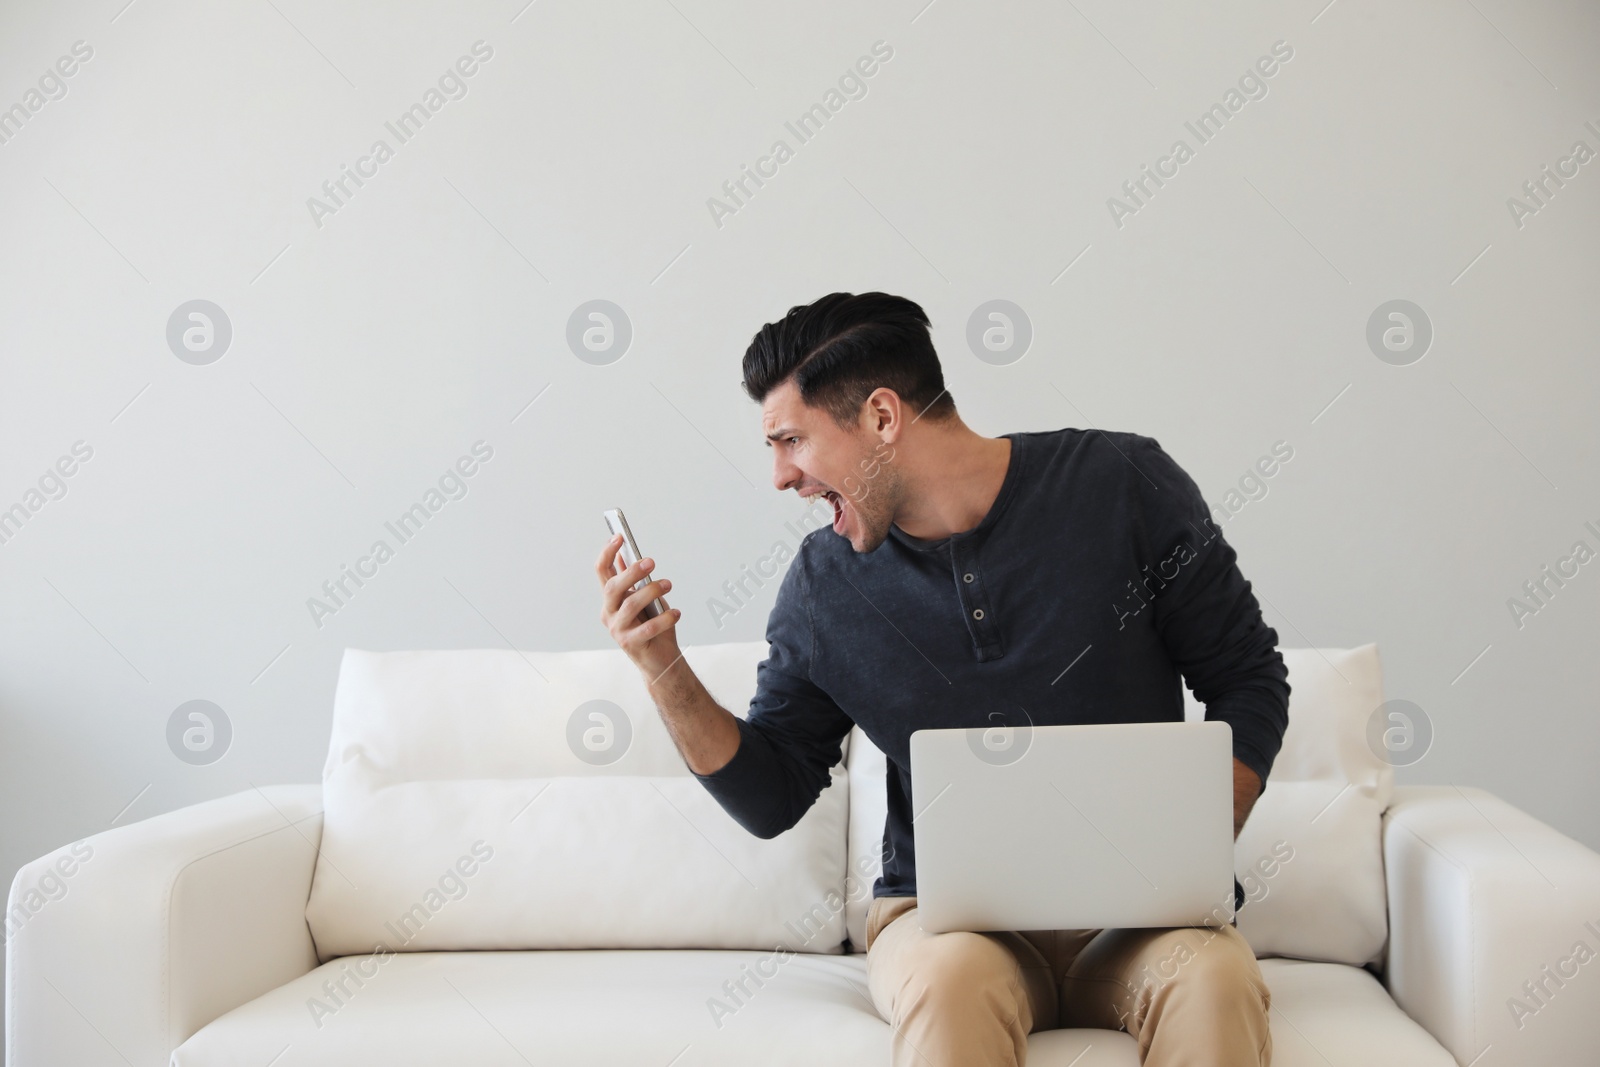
[(785, 475)]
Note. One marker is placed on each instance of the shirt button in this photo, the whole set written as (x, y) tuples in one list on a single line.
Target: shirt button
[(966, 577), (977, 613)]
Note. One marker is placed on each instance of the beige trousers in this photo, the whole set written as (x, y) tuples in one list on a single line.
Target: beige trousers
[(1190, 996)]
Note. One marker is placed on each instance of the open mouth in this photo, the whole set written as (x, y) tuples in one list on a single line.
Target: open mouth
[(838, 509)]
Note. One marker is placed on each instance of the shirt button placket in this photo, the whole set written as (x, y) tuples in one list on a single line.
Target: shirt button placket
[(965, 588)]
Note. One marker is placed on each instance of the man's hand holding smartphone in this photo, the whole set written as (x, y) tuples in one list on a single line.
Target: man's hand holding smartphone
[(707, 734), (651, 643)]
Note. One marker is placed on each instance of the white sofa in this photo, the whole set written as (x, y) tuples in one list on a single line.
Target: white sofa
[(623, 918)]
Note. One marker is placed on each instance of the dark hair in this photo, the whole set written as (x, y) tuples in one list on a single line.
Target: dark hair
[(842, 347)]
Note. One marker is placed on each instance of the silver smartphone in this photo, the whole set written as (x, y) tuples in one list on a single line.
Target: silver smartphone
[(617, 523)]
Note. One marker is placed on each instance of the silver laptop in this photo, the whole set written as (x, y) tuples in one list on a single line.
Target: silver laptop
[(1073, 827)]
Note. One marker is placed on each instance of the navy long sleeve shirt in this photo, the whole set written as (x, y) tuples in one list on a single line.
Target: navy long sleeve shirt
[(1096, 579)]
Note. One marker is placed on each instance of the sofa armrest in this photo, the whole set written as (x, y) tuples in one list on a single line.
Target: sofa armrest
[(1494, 928), (123, 944)]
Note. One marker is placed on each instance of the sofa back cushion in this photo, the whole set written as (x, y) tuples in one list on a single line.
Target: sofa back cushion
[(495, 799), (1310, 855)]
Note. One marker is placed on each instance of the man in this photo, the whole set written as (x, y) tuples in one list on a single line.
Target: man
[(1051, 577)]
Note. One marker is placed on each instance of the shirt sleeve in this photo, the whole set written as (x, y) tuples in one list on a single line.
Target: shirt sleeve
[(793, 734), (1205, 613)]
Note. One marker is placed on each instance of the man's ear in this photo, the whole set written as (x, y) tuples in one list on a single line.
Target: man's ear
[(884, 415)]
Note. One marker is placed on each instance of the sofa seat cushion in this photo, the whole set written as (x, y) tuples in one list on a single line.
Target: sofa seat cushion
[(680, 1007), (1332, 1013), (603, 1008), (558, 1006)]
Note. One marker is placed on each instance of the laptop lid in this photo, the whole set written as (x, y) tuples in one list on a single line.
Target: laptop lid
[(1073, 827)]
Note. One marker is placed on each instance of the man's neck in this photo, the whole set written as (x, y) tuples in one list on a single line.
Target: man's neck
[(957, 478)]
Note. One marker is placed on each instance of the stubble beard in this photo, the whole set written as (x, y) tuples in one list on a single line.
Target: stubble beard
[(874, 513)]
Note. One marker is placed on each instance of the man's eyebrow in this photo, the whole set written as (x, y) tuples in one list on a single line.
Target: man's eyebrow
[(782, 432)]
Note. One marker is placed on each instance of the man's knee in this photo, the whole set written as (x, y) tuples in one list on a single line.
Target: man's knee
[(958, 998), (959, 971), (962, 962), (1137, 968), (1218, 964)]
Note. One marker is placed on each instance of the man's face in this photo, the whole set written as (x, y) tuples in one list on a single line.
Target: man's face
[(814, 456)]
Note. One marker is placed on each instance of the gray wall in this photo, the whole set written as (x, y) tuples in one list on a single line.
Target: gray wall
[(373, 344)]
